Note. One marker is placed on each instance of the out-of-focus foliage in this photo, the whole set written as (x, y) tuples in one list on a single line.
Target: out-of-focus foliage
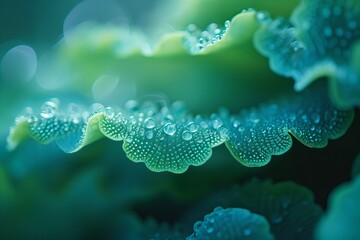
[(321, 40), (341, 221)]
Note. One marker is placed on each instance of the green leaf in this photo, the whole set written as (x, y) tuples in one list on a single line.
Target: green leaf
[(166, 139), (170, 67), (321, 40), (71, 130), (171, 139), (232, 223), (257, 134), (341, 221), (289, 208)]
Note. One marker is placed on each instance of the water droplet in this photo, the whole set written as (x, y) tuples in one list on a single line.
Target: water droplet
[(33, 119), (217, 209), (292, 117), (197, 225), (149, 123), (109, 112), (191, 28), (131, 105), (149, 134), (193, 127), (262, 16), (227, 24), (210, 229), (132, 120), (247, 232), (304, 118), (49, 109), (330, 115), (186, 135), (129, 139), (170, 129), (97, 108), (223, 131), (315, 117), (241, 129), (217, 123)]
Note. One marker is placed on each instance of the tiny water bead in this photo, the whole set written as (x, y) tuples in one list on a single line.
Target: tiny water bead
[(50, 108), (170, 129), (168, 139), (149, 123), (262, 16), (232, 223), (198, 40), (186, 135)]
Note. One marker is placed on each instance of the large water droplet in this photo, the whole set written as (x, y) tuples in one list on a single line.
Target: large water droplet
[(210, 229), (170, 129), (149, 123), (227, 24), (262, 16), (247, 232), (149, 134), (109, 112), (217, 123), (315, 117), (224, 132), (131, 105), (49, 109), (186, 135), (193, 127)]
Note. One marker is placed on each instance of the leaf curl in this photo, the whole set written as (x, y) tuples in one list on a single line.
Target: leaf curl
[(320, 40), (232, 223), (168, 138)]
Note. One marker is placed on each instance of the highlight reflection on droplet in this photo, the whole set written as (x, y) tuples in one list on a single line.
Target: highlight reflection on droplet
[(19, 64)]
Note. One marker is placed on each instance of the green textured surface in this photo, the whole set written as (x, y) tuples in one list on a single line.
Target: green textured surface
[(232, 224), (289, 208), (318, 41), (257, 134), (168, 138)]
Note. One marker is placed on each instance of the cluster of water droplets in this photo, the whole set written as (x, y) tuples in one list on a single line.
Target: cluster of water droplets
[(231, 223), (169, 136), (197, 40), (150, 120), (51, 123)]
